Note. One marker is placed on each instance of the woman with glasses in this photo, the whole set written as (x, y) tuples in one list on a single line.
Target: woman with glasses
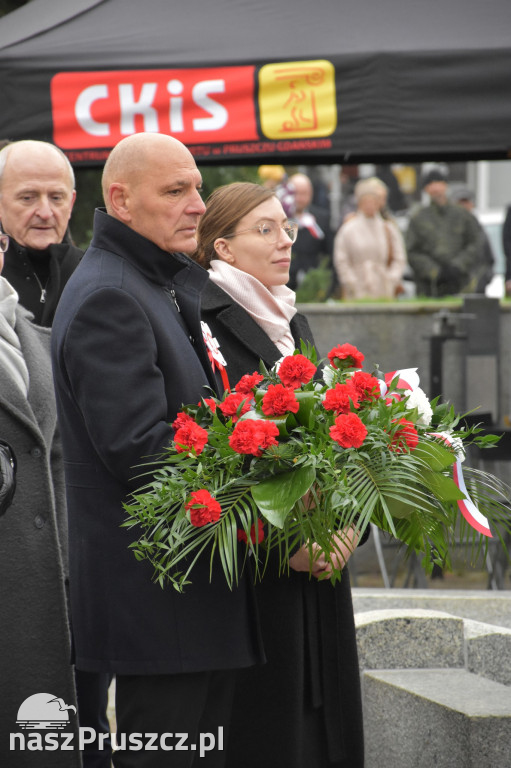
[(303, 707), (34, 632)]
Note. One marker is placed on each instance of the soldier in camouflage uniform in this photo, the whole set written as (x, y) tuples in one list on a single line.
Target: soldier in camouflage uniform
[(442, 243)]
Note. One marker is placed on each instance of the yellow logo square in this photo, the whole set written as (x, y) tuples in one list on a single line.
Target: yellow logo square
[(297, 99)]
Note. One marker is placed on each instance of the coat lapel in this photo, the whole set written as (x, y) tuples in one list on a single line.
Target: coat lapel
[(233, 317), (190, 303), (300, 329)]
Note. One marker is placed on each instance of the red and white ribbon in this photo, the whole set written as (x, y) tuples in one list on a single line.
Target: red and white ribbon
[(467, 507), (217, 360), (308, 221), (409, 379)]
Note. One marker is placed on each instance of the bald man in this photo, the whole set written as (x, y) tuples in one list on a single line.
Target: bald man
[(315, 238), (37, 193), (128, 352)]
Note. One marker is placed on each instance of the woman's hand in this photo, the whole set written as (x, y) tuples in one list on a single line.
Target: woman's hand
[(301, 560), (344, 544)]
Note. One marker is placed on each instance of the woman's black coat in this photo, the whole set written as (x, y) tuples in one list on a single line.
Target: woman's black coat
[(303, 708)]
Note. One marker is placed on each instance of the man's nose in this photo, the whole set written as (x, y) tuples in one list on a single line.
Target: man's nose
[(197, 204), (44, 208)]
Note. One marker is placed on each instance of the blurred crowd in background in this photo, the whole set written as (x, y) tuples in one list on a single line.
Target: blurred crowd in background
[(387, 232)]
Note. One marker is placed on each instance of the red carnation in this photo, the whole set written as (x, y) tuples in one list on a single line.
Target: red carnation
[(203, 508), (232, 403), (242, 536), (181, 419), (190, 436), (253, 436), (405, 437), (296, 370), (279, 400), (341, 398), (346, 356), (367, 386), (210, 403), (348, 430), (248, 382), (268, 431)]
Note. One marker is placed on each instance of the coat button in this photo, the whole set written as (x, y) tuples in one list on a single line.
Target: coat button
[(39, 521), (36, 453)]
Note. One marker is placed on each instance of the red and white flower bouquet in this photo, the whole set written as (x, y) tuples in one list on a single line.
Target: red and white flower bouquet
[(296, 455)]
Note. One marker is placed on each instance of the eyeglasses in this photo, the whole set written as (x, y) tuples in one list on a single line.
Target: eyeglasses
[(270, 230), (4, 242)]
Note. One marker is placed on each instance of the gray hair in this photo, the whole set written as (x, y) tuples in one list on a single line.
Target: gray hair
[(6, 151), (371, 186)]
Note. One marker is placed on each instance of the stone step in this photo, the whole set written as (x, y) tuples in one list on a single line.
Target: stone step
[(409, 639), (488, 651), (441, 718), (488, 606)]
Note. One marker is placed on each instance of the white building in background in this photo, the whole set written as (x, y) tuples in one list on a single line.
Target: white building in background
[(491, 182)]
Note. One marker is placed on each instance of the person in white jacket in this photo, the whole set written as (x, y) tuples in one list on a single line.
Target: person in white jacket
[(369, 252)]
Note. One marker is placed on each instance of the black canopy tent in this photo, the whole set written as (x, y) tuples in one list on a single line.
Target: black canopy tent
[(262, 80)]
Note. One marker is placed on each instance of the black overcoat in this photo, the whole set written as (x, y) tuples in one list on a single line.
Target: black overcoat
[(124, 364), (303, 708), (63, 258)]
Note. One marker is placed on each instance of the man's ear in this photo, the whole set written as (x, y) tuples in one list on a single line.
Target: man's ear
[(222, 248), (118, 196)]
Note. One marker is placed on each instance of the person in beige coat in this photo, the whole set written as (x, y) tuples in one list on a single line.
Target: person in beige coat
[(369, 253)]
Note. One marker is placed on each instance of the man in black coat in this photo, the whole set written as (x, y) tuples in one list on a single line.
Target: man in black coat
[(315, 238), (37, 193), (128, 353)]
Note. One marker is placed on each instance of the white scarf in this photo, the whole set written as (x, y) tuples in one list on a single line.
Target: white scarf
[(12, 361), (272, 308)]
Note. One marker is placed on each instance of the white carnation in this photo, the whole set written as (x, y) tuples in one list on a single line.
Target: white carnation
[(251, 415), (417, 398), (276, 366), (328, 375)]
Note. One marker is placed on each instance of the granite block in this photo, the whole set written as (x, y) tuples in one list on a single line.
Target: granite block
[(409, 639), (441, 718)]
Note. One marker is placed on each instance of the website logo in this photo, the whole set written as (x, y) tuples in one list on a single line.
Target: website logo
[(43, 717), (44, 711)]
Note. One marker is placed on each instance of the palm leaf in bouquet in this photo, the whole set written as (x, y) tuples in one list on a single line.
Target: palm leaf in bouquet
[(289, 459)]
